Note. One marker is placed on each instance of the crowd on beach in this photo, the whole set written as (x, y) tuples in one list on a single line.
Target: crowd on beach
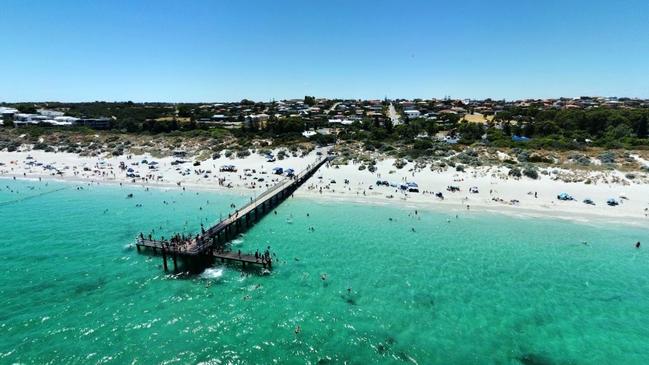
[(445, 188)]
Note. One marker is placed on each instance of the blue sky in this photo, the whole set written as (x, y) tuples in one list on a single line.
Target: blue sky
[(228, 50)]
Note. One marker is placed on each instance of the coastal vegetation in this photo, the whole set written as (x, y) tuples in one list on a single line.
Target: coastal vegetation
[(587, 138), (566, 129)]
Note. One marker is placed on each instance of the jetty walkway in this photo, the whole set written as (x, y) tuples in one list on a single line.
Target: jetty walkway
[(211, 243)]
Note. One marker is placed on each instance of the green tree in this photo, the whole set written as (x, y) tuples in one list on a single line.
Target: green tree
[(389, 127), (507, 128), (618, 132), (26, 108), (470, 132), (309, 100), (641, 130), (184, 111), (546, 128)]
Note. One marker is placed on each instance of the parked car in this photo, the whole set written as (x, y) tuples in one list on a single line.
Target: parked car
[(565, 196)]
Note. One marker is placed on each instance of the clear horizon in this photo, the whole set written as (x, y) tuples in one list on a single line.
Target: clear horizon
[(168, 51), (300, 98)]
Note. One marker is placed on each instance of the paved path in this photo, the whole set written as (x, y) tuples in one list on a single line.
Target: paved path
[(392, 113)]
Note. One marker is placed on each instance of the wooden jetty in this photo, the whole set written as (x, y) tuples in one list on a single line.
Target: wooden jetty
[(171, 253), (211, 242)]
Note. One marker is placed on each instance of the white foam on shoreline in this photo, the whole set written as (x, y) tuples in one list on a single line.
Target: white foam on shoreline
[(492, 182), (212, 273)]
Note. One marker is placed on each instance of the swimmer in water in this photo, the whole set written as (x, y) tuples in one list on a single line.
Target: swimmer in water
[(298, 329)]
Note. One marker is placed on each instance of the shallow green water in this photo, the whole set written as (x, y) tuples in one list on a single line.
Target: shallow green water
[(479, 289)]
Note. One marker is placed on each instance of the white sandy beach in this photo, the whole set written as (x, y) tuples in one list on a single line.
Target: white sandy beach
[(497, 192)]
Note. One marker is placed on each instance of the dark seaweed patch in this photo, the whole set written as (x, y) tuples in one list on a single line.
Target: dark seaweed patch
[(534, 359)]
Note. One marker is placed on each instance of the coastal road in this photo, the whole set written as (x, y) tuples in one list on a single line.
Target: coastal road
[(333, 108), (392, 113)]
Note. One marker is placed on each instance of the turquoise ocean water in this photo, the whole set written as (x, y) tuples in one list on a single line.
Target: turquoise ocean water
[(477, 289)]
